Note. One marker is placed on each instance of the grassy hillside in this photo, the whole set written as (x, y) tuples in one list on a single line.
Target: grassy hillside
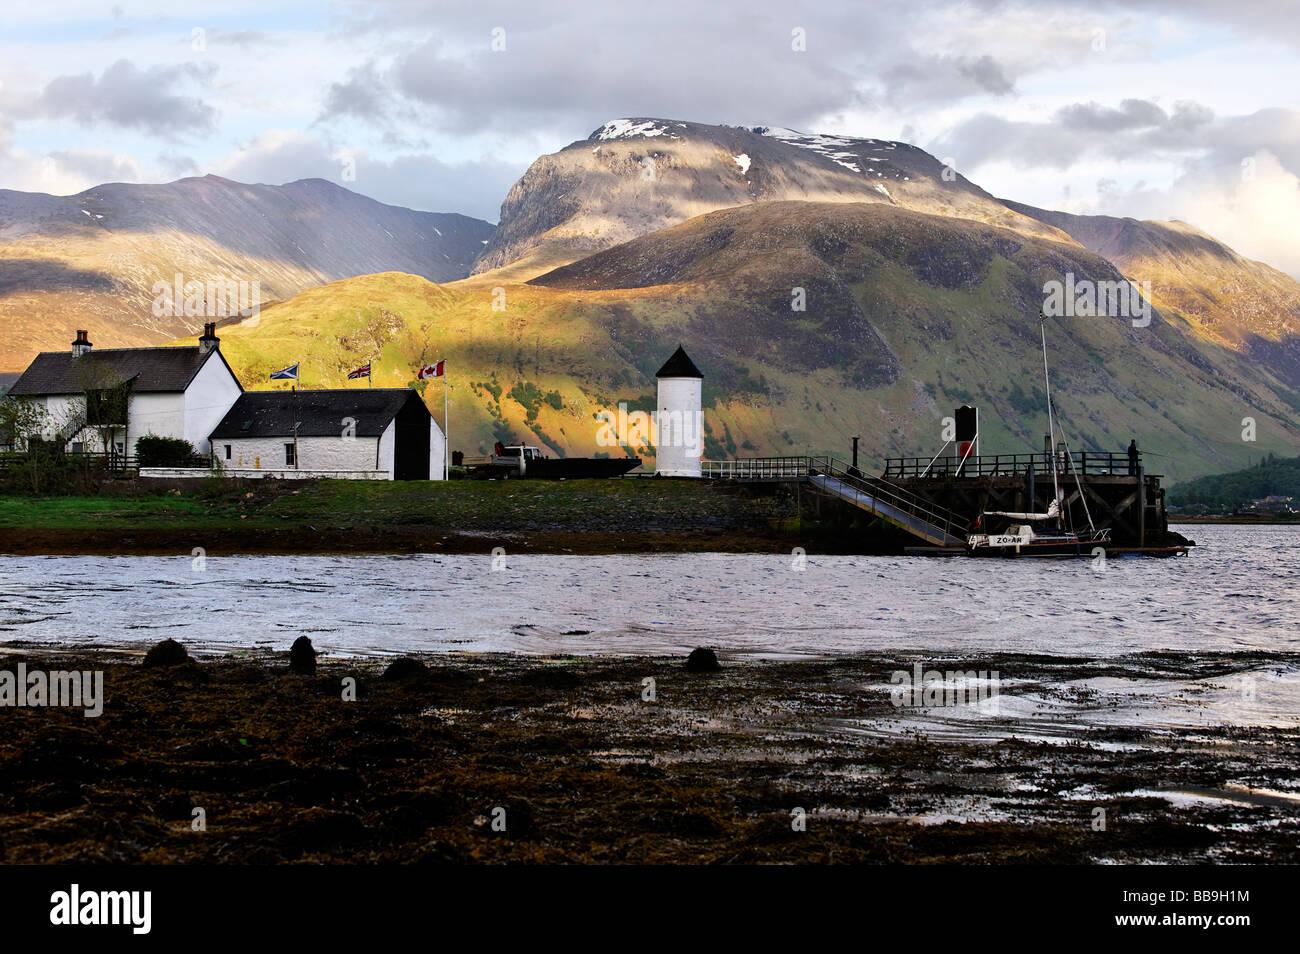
[(1227, 298), (907, 316)]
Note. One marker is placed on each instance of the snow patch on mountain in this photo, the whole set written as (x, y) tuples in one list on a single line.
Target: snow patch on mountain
[(832, 147), (742, 160), (627, 129)]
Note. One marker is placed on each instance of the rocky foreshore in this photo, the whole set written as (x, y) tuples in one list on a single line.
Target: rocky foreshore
[(523, 759)]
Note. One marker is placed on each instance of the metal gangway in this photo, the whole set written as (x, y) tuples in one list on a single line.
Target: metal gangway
[(836, 478)]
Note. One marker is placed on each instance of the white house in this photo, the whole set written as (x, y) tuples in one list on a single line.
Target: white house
[(104, 401), (679, 421), (359, 433)]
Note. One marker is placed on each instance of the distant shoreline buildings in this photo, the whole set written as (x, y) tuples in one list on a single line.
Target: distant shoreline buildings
[(104, 402)]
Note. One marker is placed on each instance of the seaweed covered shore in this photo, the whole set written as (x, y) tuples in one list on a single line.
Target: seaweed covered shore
[(467, 759)]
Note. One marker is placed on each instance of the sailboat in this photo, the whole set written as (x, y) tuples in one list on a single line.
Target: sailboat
[(1002, 533)]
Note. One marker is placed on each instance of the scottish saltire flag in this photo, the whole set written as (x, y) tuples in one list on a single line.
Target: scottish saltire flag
[(433, 370), (289, 372), (361, 372)]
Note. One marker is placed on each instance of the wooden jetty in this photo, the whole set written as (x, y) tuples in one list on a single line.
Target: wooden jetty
[(931, 504)]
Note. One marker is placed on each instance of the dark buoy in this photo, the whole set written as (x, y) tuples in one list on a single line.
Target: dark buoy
[(302, 657), (702, 660), (405, 668), (167, 653)]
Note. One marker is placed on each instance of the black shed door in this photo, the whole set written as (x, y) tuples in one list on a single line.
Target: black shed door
[(411, 456)]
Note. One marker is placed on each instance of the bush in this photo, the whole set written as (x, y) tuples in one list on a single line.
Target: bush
[(46, 470), (154, 451)]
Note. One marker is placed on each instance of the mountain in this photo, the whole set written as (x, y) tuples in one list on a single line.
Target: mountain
[(91, 260), (634, 176), (1243, 304), (908, 314), (921, 291), (598, 192)]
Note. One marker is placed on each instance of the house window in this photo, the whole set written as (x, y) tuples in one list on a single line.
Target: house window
[(290, 457), (227, 452), (78, 447)]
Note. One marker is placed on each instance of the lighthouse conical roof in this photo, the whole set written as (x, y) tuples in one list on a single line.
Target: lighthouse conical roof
[(679, 366)]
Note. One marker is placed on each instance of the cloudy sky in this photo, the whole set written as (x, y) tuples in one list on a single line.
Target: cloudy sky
[(1153, 108)]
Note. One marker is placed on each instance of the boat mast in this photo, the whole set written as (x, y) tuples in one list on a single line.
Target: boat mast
[(1051, 428)]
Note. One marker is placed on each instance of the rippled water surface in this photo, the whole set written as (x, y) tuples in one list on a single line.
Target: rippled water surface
[(1238, 591)]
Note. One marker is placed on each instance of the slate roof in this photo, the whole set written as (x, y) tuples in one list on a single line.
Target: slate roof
[(679, 366), (319, 413), (154, 369)]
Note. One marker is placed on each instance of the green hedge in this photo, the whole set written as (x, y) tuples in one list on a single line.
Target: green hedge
[(154, 451)]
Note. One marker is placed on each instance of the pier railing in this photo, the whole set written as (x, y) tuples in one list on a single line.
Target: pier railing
[(1086, 463), (757, 468)]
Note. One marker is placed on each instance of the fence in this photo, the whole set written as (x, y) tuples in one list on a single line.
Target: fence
[(116, 464)]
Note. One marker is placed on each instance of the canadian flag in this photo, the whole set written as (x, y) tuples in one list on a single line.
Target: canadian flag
[(433, 370)]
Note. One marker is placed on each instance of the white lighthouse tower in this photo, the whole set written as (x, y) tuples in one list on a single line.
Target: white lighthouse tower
[(679, 423)]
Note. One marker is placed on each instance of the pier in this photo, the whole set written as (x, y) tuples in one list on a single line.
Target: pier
[(935, 501)]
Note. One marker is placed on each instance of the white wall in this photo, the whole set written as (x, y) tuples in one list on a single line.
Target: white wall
[(61, 410), (679, 447), (332, 454), (162, 415), (388, 448), (282, 474), (437, 450), (210, 395)]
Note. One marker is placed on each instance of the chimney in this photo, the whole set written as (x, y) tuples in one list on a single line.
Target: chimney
[(82, 345), (209, 341)]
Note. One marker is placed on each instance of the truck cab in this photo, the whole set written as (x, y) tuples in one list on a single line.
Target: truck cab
[(516, 457), (523, 451)]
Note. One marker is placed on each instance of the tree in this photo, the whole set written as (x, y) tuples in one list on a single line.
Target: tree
[(34, 436), (106, 399)]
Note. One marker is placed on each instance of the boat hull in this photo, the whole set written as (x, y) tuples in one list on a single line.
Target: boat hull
[(1054, 549)]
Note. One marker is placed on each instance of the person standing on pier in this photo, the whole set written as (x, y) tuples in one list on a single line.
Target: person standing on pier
[(1133, 457)]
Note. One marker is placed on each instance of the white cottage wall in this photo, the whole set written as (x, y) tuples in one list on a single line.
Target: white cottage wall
[(210, 395), (332, 454)]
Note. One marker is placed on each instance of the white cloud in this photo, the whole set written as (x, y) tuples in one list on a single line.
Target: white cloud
[(1252, 206), (416, 181)]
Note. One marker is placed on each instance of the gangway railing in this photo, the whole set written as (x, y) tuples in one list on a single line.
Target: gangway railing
[(874, 494)]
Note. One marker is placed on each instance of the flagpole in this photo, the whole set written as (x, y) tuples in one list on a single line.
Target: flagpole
[(446, 440), (370, 373), (296, 464)]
